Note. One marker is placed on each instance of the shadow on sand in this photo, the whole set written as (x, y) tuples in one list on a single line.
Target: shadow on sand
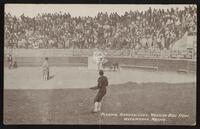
[(50, 77)]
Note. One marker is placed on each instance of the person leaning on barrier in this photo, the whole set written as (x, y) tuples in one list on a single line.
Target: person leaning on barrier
[(101, 86), (10, 61)]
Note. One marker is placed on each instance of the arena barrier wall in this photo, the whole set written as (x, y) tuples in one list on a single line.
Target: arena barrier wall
[(35, 58), (162, 64), (53, 61)]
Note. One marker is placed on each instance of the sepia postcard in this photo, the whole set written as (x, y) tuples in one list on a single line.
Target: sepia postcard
[(94, 64)]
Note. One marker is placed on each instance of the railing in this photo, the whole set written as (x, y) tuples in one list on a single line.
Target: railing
[(166, 54)]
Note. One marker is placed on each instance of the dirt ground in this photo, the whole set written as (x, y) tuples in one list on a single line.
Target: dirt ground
[(81, 77), (140, 97)]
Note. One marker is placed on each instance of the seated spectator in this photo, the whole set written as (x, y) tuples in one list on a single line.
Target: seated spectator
[(56, 30)]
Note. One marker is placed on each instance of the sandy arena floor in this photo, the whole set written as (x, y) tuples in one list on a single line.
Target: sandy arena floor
[(74, 77), (66, 99)]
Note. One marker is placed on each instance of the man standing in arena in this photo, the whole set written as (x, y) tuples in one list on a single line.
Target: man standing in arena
[(102, 84), (45, 66)]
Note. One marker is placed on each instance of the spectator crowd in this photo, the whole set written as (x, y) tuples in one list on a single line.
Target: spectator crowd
[(150, 29)]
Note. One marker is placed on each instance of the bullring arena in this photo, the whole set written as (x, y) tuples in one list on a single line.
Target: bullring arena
[(154, 47), (141, 86)]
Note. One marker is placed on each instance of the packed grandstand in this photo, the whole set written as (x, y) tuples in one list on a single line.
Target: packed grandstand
[(150, 29)]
